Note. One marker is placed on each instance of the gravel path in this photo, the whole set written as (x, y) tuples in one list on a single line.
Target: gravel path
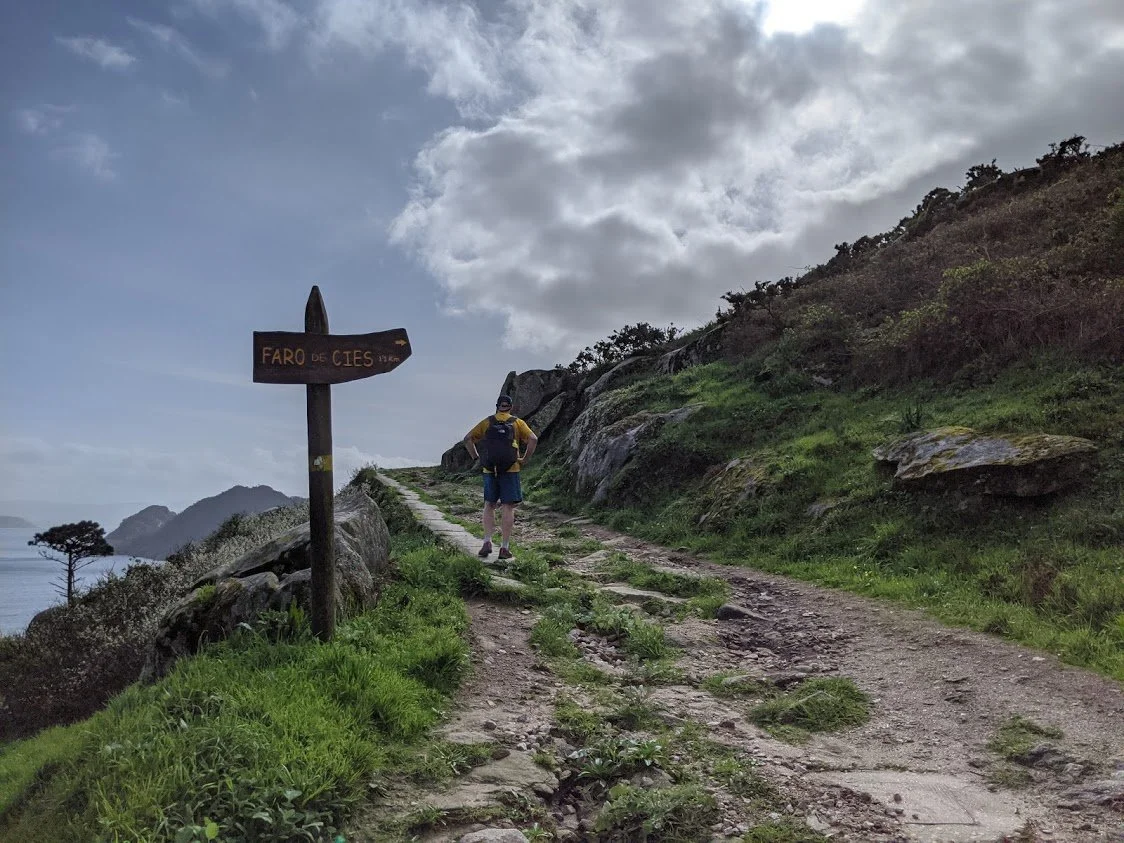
[(919, 770)]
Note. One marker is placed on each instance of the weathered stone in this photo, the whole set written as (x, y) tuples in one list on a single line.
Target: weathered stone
[(946, 808), (959, 459), (628, 594), (732, 611), (730, 486), (820, 508), (530, 389), (492, 783), (457, 459), (503, 584), (208, 613), (540, 423), (1108, 793), (609, 449), (1046, 756), (273, 576), (704, 349), (615, 375), (494, 835)]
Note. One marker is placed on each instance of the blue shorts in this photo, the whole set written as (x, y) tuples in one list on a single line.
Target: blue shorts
[(503, 488)]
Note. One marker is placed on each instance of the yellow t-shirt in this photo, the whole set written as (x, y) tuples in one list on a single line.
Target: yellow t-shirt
[(523, 434)]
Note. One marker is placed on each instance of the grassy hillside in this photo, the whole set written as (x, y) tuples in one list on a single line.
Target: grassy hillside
[(1049, 573), (999, 307), (270, 735)]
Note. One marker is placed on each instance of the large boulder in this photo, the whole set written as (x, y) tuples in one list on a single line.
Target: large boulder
[(608, 449), (274, 576), (704, 349), (960, 459), (457, 459), (612, 378), (728, 488), (548, 414), (531, 389)]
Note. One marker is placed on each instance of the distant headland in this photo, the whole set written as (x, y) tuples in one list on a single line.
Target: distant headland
[(13, 521)]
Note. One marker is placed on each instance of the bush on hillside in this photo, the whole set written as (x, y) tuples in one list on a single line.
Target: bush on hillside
[(916, 296), (71, 660), (997, 311), (623, 342)]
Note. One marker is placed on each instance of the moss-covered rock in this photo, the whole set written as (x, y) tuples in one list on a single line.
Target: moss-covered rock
[(727, 488), (960, 459), (274, 576), (607, 449)]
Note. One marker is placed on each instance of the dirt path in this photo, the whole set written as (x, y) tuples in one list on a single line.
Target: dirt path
[(920, 769)]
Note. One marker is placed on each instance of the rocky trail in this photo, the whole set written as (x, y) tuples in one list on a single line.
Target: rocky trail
[(940, 758)]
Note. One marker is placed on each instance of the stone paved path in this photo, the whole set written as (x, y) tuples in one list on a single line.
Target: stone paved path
[(912, 774)]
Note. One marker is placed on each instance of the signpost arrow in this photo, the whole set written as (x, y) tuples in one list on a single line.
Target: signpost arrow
[(319, 359)]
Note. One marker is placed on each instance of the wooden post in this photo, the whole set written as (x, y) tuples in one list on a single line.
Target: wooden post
[(318, 360), (320, 484)]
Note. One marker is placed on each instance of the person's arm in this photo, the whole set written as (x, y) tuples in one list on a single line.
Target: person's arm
[(530, 441), (470, 442), (530, 446)]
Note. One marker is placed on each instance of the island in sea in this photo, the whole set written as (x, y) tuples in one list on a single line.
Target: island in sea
[(13, 521)]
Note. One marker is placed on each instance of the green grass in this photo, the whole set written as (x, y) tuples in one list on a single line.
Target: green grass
[(677, 814), (1045, 572), (578, 723), (745, 687), (815, 705), (785, 831), (637, 574), (1018, 735), (258, 737)]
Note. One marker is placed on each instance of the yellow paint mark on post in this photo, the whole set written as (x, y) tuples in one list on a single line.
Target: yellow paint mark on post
[(320, 463)]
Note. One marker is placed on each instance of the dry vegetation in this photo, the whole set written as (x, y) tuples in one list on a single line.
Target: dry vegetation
[(965, 286)]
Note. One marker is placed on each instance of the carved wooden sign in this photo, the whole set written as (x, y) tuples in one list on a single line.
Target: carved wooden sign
[(298, 357), (318, 359)]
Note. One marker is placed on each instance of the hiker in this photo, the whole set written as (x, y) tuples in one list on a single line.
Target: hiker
[(496, 443)]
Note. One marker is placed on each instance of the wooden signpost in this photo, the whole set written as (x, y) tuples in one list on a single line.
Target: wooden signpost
[(319, 359)]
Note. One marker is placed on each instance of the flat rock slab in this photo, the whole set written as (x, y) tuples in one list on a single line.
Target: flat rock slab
[(507, 584), (936, 807), (595, 558), (628, 594), (959, 458), (484, 786)]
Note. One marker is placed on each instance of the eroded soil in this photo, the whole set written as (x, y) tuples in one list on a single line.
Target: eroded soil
[(920, 769)]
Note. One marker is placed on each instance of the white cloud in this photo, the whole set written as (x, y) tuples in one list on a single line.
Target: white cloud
[(653, 154), (175, 101), (108, 56), (92, 154), (175, 43), (459, 51), (277, 21), (801, 15), (42, 119)]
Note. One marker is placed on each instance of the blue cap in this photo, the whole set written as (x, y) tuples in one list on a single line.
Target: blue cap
[(503, 399)]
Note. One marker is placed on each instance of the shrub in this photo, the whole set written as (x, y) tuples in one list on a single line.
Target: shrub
[(816, 705), (678, 814)]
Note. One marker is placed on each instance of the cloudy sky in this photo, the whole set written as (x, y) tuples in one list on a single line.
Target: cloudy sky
[(509, 180)]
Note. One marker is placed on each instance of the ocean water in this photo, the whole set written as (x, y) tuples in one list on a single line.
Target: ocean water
[(29, 583)]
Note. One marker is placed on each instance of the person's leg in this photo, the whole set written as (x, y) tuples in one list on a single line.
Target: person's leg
[(491, 495), (489, 521), (511, 496), (507, 522)]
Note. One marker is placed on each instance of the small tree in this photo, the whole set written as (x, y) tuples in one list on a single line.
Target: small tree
[(981, 175), (79, 543)]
